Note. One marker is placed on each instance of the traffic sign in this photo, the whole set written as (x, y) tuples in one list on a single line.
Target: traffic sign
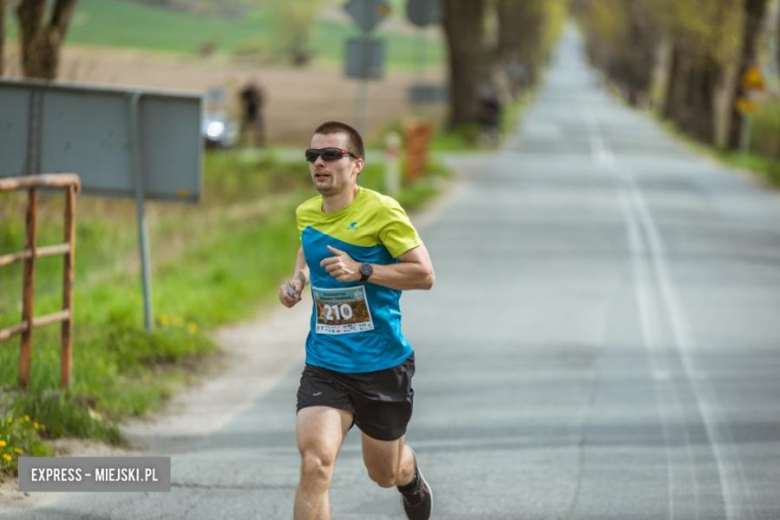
[(365, 58), (752, 79), (423, 12), (747, 106), (368, 13)]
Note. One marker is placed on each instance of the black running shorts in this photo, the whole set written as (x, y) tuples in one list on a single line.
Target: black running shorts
[(380, 401)]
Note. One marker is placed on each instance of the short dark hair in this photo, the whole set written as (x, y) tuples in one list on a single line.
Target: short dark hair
[(354, 141)]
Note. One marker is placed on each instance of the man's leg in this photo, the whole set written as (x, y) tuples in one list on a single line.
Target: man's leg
[(392, 463), (389, 463), (319, 431)]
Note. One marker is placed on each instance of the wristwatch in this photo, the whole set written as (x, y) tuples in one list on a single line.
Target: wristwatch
[(365, 271)]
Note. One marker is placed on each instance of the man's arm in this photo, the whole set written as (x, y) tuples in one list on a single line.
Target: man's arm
[(414, 272), (297, 282)]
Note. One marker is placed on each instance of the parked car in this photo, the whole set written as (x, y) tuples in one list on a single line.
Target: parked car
[(218, 130)]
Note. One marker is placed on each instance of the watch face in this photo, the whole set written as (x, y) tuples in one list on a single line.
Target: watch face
[(366, 269)]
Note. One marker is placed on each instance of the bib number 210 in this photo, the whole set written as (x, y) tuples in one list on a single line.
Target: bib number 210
[(341, 310), (338, 312)]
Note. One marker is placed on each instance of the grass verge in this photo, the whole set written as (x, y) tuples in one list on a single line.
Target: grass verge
[(466, 138), (761, 165), (765, 169)]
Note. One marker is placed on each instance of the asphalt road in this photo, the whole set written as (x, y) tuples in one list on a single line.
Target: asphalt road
[(603, 342)]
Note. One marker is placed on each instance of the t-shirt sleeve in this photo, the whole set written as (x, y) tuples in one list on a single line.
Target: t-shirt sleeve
[(397, 234), (299, 221)]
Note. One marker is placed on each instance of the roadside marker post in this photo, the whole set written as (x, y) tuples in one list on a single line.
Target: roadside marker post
[(365, 56)]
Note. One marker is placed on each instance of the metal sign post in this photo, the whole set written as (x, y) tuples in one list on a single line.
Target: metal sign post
[(143, 235), (423, 13), (365, 59), (365, 55), (752, 82)]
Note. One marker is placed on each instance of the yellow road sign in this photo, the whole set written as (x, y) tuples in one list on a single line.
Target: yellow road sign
[(747, 106), (752, 79)]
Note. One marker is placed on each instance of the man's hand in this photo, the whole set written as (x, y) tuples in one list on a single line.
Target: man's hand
[(290, 292), (341, 266)]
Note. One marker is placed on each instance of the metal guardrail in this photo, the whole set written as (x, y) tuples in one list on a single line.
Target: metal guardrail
[(71, 183)]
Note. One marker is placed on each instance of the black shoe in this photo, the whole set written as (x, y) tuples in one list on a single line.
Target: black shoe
[(418, 501)]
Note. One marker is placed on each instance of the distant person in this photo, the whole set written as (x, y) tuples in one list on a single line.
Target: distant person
[(489, 115), (518, 77), (359, 250), (252, 124)]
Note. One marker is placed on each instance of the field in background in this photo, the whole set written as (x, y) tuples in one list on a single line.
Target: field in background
[(117, 23), (298, 99)]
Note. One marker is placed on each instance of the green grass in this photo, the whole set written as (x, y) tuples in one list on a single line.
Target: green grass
[(125, 24), (20, 437), (764, 146), (462, 139), (467, 137), (117, 23), (213, 263), (766, 169)]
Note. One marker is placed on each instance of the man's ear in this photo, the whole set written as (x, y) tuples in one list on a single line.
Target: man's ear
[(359, 164)]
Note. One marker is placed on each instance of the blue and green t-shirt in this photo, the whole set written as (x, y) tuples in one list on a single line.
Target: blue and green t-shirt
[(355, 327)]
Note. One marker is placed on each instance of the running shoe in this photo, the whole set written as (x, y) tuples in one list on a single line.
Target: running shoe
[(419, 501)]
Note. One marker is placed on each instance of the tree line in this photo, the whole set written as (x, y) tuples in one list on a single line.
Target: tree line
[(686, 58), (498, 45)]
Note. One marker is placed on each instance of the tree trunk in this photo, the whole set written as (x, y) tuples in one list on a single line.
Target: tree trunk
[(777, 57), (509, 29), (701, 100), (463, 27), (41, 40), (754, 15), (2, 37), (660, 75), (519, 41), (675, 84), (724, 91), (531, 13), (777, 38)]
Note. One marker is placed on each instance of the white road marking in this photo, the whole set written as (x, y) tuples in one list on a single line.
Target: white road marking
[(731, 476)]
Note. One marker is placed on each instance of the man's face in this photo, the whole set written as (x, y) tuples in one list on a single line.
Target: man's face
[(334, 177)]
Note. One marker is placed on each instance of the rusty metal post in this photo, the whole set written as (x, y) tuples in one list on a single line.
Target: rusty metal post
[(28, 289), (66, 354)]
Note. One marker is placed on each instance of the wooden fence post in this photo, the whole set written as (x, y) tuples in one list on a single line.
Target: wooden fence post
[(67, 251), (66, 354), (28, 289)]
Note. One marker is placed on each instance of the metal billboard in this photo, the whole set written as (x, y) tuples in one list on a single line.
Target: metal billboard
[(54, 127)]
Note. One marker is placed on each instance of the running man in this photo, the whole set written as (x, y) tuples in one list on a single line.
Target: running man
[(359, 251)]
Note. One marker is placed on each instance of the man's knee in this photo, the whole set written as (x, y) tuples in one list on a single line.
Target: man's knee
[(384, 477), (316, 468)]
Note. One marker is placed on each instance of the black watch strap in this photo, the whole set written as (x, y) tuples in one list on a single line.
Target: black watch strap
[(366, 270)]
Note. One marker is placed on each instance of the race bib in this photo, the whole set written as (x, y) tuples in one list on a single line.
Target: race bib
[(342, 311)]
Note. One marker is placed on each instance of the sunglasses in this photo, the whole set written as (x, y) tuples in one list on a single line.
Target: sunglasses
[(327, 154)]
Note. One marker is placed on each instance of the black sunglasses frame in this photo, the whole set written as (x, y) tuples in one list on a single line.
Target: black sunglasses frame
[(334, 154)]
